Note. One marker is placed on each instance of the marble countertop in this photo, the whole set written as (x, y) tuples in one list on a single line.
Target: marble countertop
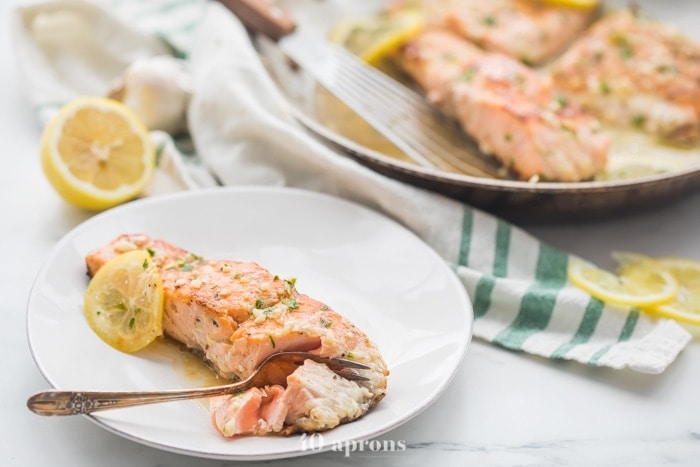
[(502, 408)]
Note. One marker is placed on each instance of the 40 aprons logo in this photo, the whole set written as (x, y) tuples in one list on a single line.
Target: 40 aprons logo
[(315, 442)]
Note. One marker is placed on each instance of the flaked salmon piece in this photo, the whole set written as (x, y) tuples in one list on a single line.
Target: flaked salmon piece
[(530, 31), (634, 71), (315, 399), (257, 411), (235, 314), (512, 111)]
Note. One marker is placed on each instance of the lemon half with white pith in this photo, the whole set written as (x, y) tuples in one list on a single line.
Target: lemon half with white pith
[(96, 153)]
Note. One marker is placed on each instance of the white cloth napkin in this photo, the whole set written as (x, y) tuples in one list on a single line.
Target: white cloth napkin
[(244, 133)]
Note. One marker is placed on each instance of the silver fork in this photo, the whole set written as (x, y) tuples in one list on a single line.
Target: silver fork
[(401, 115), (272, 370)]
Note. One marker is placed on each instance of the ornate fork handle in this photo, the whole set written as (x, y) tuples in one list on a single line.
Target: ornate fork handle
[(273, 370), (85, 402)]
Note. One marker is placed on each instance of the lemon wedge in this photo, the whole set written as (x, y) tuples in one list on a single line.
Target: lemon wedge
[(632, 286), (124, 301), (96, 153), (373, 38)]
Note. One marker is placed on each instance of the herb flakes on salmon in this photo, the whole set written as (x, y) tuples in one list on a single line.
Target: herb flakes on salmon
[(631, 70), (512, 111), (235, 314)]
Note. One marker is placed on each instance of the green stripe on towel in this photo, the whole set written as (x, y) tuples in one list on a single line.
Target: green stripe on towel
[(538, 303), (500, 261), (585, 330), (625, 334), (465, 244)]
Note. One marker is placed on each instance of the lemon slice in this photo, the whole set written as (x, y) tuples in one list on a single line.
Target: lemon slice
[(583, 4), (642, 287), (96, 153), (124, 301), (685, 306), (372, 38)]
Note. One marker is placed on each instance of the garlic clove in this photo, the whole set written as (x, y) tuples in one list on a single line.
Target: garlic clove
[(158, 90)]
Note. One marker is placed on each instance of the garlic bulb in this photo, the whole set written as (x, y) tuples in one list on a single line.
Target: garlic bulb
[(158, 90)]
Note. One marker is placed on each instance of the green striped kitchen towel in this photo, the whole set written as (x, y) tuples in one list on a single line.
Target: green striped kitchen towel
[(244, 133)]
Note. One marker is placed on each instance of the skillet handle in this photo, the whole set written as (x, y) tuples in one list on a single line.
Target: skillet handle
[(262, 16)]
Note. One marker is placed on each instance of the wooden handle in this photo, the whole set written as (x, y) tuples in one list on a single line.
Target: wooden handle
[(262, 16)]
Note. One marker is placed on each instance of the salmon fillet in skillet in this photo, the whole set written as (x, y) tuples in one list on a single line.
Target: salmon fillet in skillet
[(530, 31), (635, 71), (235, 314), (512, 111)]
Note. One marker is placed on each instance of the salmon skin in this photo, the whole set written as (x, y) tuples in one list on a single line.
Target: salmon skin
[(631, 70), (235, 314), (512, 111)]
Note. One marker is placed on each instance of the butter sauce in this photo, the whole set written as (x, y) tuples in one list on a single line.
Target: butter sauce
[(633, 154)]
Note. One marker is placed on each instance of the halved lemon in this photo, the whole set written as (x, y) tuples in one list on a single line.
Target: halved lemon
[(641, 287), (124, 301), (372, 38), (96, 153)]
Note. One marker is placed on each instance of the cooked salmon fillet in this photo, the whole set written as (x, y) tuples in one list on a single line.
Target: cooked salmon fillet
[(631, 70), (530, 31), (512, 111), (235, 314)]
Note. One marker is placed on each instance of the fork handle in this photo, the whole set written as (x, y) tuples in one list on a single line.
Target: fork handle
[(85, 402), (262, 16)]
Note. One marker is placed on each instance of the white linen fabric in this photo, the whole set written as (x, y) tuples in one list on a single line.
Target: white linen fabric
[(243, 133)]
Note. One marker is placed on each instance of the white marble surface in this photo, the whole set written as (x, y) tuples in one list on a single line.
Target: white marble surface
[(501, 409)]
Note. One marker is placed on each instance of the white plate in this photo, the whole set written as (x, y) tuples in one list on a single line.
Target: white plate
[(369, 268)]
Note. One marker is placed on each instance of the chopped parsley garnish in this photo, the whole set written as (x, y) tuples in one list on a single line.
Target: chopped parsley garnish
[(638, 121), (490, 20), (325, 323), (624, 47), (145, 264), (272, 340), (526, 60), (468, 74), (291, 303), (561, 101), (259, 303), (289, 285), (132, 322), (150, 251)]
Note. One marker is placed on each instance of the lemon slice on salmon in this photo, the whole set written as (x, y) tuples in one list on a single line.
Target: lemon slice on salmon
[(373, 38), (582, 4), (124, 301), (632, 286), (96, 153)]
